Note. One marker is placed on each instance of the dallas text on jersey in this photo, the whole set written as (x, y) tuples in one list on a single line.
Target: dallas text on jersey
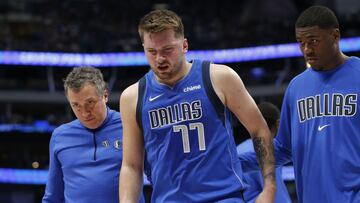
[(176, 113), (335, 104)]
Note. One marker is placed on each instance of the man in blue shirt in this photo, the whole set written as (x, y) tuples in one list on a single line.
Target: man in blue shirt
[(320, 116), (271, 114), (86, 154)]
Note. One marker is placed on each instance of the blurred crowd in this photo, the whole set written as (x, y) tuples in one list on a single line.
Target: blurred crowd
[(111, 26)]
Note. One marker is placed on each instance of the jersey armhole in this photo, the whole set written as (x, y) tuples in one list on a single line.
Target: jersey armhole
[(215, 100), (141, 91)]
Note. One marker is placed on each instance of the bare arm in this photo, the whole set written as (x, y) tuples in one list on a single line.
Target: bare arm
[(234, 95), (131, 173)]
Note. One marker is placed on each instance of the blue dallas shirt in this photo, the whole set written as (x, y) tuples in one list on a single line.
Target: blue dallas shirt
[(320, 130), (255, 181), (85, 164), (189, 145)]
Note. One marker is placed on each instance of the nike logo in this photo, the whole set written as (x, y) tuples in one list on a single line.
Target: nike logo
[(157, 96), (320, 128)]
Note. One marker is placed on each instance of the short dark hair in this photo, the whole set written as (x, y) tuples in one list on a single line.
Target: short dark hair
[(159, 20), (317, 16), (270, 112), (79, 76)]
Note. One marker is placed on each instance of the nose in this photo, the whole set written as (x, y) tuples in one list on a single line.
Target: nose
[(160, 58), (308, 50), (85, 112)]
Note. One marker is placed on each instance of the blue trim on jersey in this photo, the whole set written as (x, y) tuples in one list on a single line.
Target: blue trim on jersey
[(141, 89), (215, 100), (190, 150)]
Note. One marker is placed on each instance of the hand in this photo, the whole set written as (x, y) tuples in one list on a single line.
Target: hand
[(267, 195)]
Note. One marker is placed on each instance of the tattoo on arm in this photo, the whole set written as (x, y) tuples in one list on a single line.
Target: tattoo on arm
[(263, 157), (260, 150), (270, 175)]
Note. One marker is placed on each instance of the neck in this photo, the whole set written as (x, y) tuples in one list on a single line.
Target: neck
[(335, 61), (340, 59)]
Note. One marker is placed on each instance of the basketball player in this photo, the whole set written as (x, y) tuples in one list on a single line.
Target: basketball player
[(178, 114), (86, 154), (271, 113), (320, 120)]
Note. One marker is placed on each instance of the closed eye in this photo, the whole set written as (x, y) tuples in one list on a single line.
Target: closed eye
[(152, 52)]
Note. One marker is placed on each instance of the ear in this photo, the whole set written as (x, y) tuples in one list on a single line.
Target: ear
[(185, 45), (106, 95), (336, 34)]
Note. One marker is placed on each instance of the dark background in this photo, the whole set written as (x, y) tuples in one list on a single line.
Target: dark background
[(95, 26)]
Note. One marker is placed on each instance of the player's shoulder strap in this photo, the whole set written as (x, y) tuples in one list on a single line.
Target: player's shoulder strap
[(215, 100), (139, 105), (140, 100)]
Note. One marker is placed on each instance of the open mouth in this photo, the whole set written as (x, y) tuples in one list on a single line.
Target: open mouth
[(164, 67)]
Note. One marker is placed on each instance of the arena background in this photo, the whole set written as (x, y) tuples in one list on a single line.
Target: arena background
[(40, 40)]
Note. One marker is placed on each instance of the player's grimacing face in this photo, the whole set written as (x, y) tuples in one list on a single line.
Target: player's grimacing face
[(165, 53), (319, 46), (88, 106)]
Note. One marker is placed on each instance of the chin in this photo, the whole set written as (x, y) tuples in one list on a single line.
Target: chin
[(315, 65), (91, 125), (315, 68)]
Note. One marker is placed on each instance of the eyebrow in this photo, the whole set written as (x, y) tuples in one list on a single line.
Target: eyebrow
[(90, 99), (86, 100), (307, 36), (164, 47)]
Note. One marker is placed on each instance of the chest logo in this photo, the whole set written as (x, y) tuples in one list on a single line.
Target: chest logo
[(156, 97), (320, 128), (118, 144), (192, 88), (105, 143)]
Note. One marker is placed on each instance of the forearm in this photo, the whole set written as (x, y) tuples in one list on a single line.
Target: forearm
[(130, 185), (249, 160), (265, 155)]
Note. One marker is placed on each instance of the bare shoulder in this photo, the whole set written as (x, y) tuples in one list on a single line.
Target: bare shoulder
[(128, 99), (220, 71), (226, 82), (223, 76), (130, 93)]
